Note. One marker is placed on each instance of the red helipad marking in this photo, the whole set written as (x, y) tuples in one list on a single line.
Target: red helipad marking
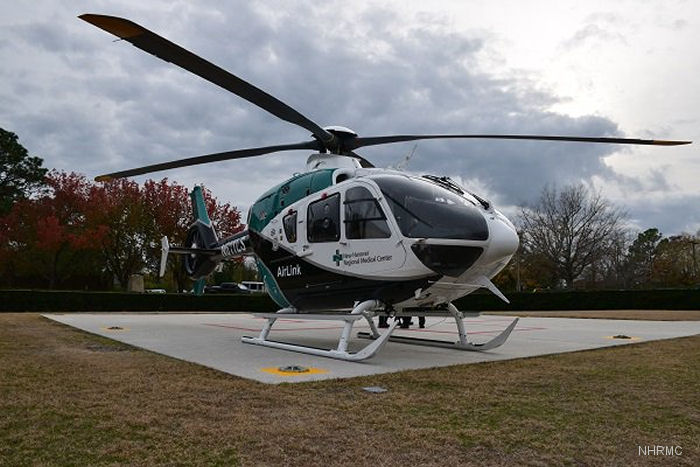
[(241, 328), (436, 331), (426, 330), (275, 329), (484, 320), (289, 320)]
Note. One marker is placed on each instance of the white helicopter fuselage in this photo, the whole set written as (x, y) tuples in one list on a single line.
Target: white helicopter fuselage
[(348, 237)]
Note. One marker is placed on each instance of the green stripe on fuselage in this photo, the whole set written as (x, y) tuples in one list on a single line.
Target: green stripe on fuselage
[(276, 199)]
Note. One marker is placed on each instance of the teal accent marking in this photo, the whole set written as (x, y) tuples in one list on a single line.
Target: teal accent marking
[(198, 207), (337, 257), (271, 285), (278, 198), (198, 288)]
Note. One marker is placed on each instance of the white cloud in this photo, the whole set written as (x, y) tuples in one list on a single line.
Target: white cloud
[(86, 103)]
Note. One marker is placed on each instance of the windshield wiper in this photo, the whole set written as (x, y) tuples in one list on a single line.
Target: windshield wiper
[(445, 182), (448, 183)]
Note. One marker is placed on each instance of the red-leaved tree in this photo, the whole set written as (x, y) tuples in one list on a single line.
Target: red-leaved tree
[(118, 207), (49, 237), (78, 232), (170, 208)]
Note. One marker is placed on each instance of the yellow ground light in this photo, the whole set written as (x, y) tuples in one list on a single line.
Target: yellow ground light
[(278, 372)]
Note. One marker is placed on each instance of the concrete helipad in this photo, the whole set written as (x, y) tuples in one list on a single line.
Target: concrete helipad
[(214, 340)]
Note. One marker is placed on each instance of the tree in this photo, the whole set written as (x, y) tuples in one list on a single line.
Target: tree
[(77, 232), (569, 231), (168, 205), (137, 218), (118, 207), (48, 237), (611, 270), (640, 260), (674, 264), (20, 173)]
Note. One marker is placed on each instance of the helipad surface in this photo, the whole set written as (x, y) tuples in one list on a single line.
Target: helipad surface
[(214, 340)]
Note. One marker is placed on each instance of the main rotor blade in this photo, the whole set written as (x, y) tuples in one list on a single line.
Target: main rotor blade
[(219, 156), (363, 162), (375, 140), (165, 50)]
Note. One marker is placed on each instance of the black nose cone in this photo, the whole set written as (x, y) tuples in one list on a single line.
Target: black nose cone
[(447, 260)]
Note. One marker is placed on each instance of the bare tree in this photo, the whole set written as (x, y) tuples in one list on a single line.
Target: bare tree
[(571, 230)]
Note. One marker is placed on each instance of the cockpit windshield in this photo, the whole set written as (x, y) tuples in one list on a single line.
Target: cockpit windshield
[(426, 210)]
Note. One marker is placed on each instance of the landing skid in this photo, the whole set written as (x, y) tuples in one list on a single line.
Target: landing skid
[(361, 311), (462, 344)]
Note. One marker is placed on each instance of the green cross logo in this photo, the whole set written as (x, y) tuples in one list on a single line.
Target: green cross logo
[(337, 257)]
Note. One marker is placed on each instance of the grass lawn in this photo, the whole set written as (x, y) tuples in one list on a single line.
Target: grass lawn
[(67, 397)]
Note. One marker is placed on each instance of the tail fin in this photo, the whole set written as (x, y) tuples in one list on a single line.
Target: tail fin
[(202, 250), (200, 236), (202, 221)]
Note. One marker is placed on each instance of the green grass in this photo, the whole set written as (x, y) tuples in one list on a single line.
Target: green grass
[(67, 397)]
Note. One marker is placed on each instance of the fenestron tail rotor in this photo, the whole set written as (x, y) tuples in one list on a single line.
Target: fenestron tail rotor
[(337, 140)]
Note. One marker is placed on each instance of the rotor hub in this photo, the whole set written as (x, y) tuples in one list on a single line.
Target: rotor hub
[(341, 131), (341, 135)]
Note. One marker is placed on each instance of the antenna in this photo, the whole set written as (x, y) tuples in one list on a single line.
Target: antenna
[(403, 163)]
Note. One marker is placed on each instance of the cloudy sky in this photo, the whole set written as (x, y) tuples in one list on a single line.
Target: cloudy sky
[(84, 102)]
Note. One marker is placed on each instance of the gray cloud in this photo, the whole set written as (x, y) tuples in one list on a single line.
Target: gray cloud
[(93, 105), (673, 215)]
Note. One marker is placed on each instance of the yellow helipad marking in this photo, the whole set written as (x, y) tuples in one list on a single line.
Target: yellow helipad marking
[(114, 328), (278, 372), (623, 339)]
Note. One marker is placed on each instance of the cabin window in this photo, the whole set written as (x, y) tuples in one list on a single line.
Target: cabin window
[(364, 217), (290, 226), (323, 219)]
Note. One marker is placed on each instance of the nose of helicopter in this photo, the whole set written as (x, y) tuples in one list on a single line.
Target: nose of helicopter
[(504, 240)]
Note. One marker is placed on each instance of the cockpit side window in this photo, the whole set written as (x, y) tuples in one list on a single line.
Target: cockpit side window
[(290, 226), (364, 217), (323, 220)]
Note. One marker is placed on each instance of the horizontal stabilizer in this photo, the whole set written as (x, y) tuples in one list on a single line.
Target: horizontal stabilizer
[(195, 251), (166, 250)]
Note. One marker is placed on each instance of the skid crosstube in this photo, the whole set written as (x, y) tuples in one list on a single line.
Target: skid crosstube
[(361, 311), (365, 310)]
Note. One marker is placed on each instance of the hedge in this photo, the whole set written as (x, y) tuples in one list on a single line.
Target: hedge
[(66, 301), (664, 299), (59, 301)]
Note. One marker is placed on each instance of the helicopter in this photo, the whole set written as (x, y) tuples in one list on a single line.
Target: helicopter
[(346, 240)]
